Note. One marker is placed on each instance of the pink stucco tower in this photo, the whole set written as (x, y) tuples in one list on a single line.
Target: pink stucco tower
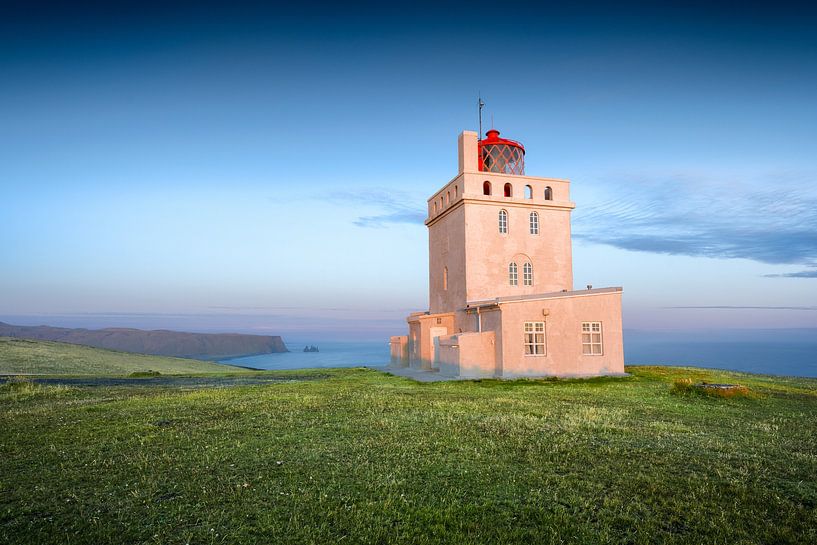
[(501, 299)]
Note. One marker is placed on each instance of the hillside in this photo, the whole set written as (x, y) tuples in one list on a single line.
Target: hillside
[(207, 346), (357, 456), (22, 356)]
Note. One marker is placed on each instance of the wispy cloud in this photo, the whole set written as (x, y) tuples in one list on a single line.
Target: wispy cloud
[(252, 309), (396, 207), (809, 273), (381, 220), (771, 219)]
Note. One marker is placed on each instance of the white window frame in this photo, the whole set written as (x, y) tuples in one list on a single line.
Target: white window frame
[(513, 274), (534, 223), (592, 339), (503, 222), (527, 274), (535, 341)]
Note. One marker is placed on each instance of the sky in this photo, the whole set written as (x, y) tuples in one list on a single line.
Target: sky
[(242, 167)]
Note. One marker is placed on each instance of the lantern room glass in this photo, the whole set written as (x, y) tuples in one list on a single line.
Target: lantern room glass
[(503, 158)]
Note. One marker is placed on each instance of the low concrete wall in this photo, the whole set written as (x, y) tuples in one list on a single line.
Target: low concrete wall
[(477, 354), (468, 355), (399, 351), (448, 355)]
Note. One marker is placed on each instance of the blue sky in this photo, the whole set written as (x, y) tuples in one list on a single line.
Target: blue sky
[(197, 166)]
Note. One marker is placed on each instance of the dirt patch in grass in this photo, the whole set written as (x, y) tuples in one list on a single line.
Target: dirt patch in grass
[(686, 386)]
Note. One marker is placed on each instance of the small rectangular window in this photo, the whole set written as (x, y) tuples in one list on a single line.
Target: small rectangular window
[(591, 339), (534, 223), (535, 339)]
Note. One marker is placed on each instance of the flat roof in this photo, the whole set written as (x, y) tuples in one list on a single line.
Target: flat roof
[(539, 296)]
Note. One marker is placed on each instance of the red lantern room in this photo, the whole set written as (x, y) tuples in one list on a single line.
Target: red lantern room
[(501, 155)]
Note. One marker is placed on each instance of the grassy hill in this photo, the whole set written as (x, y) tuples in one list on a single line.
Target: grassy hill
[(19, 356), (161, 342), (357, 456)]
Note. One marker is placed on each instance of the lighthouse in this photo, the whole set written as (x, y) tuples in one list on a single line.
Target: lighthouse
[(501, 297)]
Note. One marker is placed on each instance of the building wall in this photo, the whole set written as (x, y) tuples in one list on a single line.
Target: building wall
[(468, 355), (469, 186), (446, 250), (563, 336), (465, 239), (473, 186), (491, 320), (488, 252)]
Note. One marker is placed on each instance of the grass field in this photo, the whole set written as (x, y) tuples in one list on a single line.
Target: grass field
[(357, 456), (24, 357)]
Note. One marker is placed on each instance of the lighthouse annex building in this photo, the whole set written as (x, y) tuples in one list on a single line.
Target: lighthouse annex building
[(501, 297)]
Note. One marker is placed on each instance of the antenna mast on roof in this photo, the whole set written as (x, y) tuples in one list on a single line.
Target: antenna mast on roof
[(481, 104)]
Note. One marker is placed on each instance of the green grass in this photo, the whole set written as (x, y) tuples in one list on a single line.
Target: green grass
[(25, 357), (356, 456), (18, 389)]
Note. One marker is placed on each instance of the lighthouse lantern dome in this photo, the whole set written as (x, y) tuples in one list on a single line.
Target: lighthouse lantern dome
[(501, 155)]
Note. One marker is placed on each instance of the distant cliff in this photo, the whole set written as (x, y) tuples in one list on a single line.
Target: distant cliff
[(203, 346)]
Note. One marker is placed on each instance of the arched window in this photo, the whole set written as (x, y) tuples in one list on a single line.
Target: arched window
[(513, 277), (527, 274), (534, 223), (456, 191), (445, 278), (508, 190), (447, 198), (486, 188), (441, 202), (548, 193), (435, 207), (503, 221), (528, 192)]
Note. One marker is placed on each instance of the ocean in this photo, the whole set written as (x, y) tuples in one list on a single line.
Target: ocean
[(332, 354), (764, 358), (789, 352)]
